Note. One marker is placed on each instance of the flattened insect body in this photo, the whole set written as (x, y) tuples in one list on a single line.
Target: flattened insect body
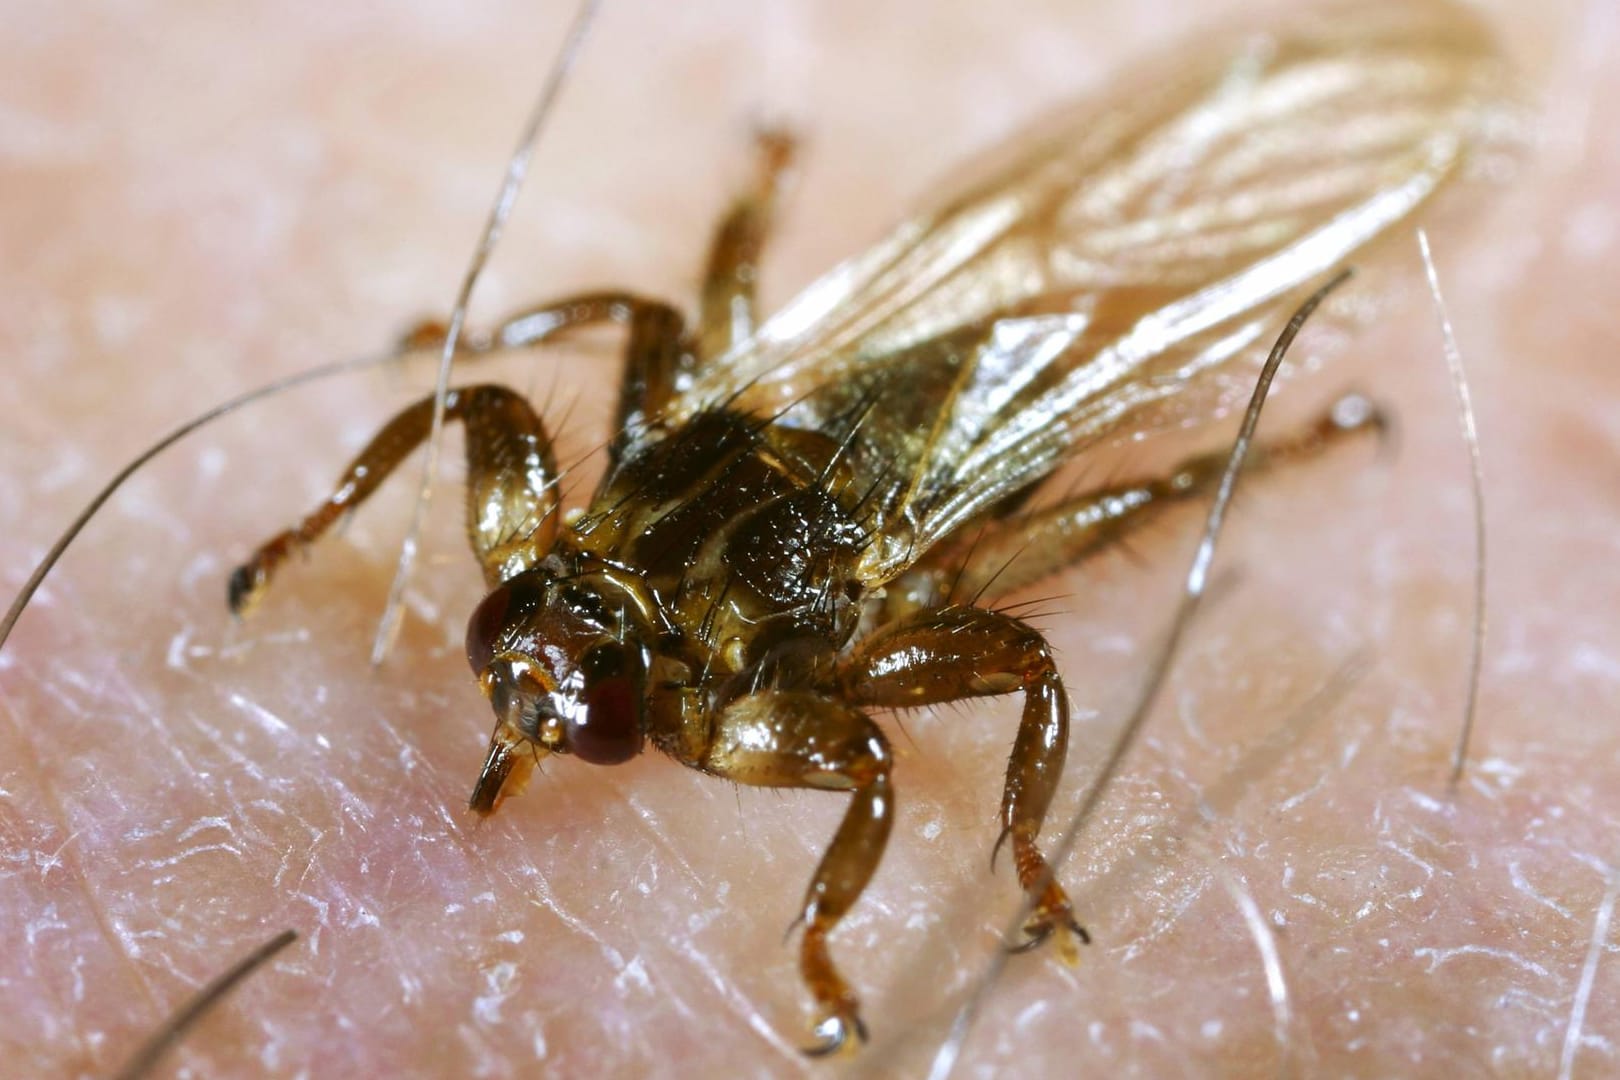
[(723, 594)]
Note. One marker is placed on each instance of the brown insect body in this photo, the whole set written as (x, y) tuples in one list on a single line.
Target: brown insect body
[(781, 542), (720, 549)]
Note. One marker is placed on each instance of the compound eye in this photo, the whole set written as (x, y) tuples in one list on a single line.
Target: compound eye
[(506, 607), (608, 730)]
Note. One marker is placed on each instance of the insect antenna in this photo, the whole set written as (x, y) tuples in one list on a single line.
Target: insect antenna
[(1193, 590), (1470, 434), (517, 168), (185, 1018)]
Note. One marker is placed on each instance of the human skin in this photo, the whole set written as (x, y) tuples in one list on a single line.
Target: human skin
[(198, 204)]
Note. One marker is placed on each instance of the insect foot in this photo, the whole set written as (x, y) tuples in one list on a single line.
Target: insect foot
[(840, 1009), (1050, 911), (1053, 915), (249, 581)]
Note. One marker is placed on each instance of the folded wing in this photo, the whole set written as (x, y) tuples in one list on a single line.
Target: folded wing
[(1122, 266)]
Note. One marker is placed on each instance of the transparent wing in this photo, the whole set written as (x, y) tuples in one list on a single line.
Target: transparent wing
[(1123, 265)]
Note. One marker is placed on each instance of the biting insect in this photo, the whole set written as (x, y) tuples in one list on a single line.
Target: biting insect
[(801, 517)]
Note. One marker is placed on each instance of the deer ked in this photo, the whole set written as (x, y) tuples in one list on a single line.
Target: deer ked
[(800, 518)]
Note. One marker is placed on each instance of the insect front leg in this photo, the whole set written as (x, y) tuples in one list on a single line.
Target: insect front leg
[(944, 654), (732, 276), (807, 740), (511, 487)]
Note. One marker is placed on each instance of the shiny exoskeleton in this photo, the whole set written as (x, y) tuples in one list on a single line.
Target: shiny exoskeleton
[(798, 519)]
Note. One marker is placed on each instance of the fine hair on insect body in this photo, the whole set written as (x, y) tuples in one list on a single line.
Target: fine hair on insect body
[(267, 512)]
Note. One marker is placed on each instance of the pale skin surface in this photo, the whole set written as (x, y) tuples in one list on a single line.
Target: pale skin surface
[(197, 204)]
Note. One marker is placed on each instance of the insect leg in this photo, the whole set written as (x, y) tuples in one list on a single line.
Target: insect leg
[(1025, 549), (796, 739), (727, 311), (511, 487), (657, 352), (943, 654)]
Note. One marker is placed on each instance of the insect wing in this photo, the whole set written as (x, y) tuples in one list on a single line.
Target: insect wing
[(1121, 267)]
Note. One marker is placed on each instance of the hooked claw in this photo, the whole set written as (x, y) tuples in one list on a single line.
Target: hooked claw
[(1041, 926), (833, 1033)]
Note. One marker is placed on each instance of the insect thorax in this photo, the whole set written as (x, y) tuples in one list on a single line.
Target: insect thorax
[(743, 533)]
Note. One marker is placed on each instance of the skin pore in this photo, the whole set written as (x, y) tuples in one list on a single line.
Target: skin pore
[(199, 204)]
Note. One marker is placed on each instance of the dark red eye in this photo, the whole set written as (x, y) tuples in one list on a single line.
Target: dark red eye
[(608, 731), (502, 609)]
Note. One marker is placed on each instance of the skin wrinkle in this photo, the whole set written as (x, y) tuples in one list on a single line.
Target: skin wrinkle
[(211, 331)]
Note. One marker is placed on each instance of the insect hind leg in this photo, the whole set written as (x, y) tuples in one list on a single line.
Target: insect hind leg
[(1021, 551)]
